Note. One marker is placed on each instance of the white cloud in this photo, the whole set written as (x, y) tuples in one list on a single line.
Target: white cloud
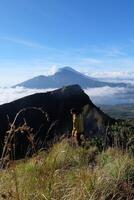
[(104, 91), (52, 70), (103, 95), (23, 42), (10, 94), (109, 95), (114, 76)]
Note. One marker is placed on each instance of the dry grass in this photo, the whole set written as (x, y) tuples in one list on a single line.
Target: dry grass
[(67, 173)]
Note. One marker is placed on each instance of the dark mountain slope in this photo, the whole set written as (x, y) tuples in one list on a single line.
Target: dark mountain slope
[(48, 114)]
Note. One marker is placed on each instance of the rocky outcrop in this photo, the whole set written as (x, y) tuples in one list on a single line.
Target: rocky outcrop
[(48, 116)]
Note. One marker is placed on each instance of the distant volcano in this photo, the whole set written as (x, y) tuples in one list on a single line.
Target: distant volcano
[(66, 76)]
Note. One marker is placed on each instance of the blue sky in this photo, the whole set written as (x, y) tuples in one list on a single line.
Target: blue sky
[(38, 36)]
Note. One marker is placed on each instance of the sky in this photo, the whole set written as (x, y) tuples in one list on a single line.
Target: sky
[(93, 36)]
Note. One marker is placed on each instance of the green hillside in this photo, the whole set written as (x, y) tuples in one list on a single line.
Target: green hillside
[(122, 111)]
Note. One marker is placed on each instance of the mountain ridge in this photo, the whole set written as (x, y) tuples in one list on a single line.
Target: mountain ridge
[(48, 116), (66, 76)]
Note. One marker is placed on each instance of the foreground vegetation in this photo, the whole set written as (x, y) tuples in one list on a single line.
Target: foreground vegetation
[(70, 173)]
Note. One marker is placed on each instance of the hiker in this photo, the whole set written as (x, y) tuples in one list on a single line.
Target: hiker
[(78, 125)]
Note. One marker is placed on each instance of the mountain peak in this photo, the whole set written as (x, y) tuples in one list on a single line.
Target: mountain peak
[(66, 68), (63, 77)]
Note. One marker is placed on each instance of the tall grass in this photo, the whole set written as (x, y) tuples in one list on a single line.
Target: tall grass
[(68, 173)]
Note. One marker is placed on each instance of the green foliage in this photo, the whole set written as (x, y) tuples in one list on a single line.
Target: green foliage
[(121, 135), (117, 164), (121, 111), (98, 142)]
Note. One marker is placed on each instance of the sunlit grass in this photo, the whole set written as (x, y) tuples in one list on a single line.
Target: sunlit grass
[(68, 173)]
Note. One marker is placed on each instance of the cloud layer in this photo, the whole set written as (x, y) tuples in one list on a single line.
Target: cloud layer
[(10, 94), (103, 95), (105, 91)]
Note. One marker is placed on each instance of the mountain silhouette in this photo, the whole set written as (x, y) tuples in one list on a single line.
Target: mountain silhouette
[(66, 76), (48, 117)]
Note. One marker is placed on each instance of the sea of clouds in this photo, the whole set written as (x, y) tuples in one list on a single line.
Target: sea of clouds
[(115, 76), (8, 94), (111, 95), (102, 95)]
